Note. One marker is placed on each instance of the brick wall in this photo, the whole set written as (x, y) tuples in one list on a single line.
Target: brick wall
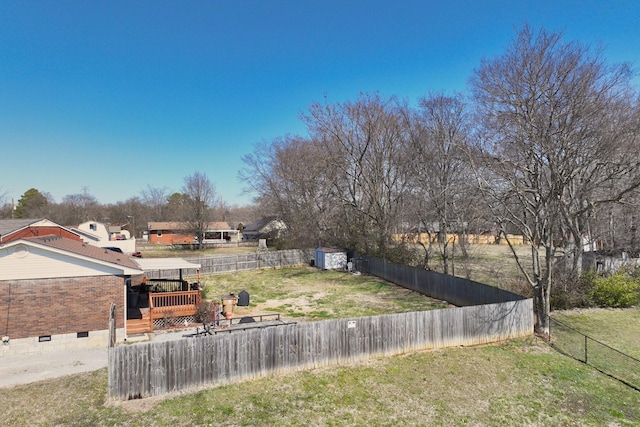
[(170, 237), (32, 308)]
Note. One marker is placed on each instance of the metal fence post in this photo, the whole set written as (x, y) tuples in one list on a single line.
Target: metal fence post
[(585, 349)]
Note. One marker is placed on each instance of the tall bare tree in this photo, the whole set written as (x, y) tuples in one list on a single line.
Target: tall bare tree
[(6, 209), (439, 131), (132, 214), (557, 121), (201, 196), (295, 182), (78, 208), (365, 142), (156, 199)]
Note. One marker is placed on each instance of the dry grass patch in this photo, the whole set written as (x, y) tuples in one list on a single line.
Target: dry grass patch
[(308, 294)]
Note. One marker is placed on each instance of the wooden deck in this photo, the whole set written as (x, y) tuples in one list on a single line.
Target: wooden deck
[(165, 305)]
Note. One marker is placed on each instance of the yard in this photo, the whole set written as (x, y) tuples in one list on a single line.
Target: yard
[(150, 250), (308, 294), (521, 382)]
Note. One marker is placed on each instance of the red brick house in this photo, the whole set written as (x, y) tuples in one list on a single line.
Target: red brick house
[(14, 229), (170, 233), (57, 292)]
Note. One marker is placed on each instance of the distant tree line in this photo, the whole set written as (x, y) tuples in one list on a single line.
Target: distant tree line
[(196, 204), (545, 146)]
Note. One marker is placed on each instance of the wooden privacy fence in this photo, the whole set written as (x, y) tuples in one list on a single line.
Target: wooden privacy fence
[(156, 368), (455, 290), (241, 262)]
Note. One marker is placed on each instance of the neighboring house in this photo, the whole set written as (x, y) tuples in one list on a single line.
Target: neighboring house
[(264, 228), (608, 262), (57, 293), (14, 229), (178, 233), (330, 258), (106, 236)]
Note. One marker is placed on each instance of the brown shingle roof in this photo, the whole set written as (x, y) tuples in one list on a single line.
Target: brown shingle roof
[(86, 250)]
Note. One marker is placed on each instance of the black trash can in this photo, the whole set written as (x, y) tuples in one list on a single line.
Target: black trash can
[(243, 299)]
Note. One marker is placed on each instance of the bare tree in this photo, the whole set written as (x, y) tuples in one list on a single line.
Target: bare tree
[(295, 182), (6, 209), (78, 208), (132, 214), (156, 199), (439, 133), (555, 129), (201, 196), (365, 142)]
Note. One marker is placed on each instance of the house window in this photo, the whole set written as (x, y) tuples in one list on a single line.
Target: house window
[(44, 338), (93, 226), (84, 334)]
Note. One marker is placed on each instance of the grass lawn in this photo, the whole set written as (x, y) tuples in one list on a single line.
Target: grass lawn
[(150, 250), (618, 328), (520, 382)]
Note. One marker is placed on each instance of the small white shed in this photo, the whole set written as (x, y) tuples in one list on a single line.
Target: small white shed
[(330, 258)]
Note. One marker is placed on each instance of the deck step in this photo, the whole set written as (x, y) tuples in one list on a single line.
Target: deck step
[(138, 326)]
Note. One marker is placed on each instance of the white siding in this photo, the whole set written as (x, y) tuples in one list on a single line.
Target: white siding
[(27, 262)]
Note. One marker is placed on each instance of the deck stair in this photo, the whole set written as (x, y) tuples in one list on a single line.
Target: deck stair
[(141, 325)]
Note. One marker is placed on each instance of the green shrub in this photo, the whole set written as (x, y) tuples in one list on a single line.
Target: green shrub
[(617, 290)]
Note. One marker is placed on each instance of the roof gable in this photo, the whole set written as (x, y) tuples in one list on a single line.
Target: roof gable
[(86, 250), (264, 224), (19, 228), (53, 256), (8, 226)]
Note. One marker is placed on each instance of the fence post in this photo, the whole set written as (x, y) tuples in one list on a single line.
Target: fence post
[(585, 349), (549, 323)]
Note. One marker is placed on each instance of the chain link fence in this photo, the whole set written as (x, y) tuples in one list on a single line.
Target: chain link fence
[(602, 357)]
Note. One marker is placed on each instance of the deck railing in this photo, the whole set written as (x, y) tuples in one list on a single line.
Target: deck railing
[(183, 303)]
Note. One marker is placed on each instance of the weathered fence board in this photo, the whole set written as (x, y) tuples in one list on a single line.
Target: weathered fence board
[(149, 369)]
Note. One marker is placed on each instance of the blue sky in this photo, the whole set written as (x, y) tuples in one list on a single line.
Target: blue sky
[(110, 97)]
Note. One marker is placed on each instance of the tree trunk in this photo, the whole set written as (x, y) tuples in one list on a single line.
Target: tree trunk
[(542, 309)]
